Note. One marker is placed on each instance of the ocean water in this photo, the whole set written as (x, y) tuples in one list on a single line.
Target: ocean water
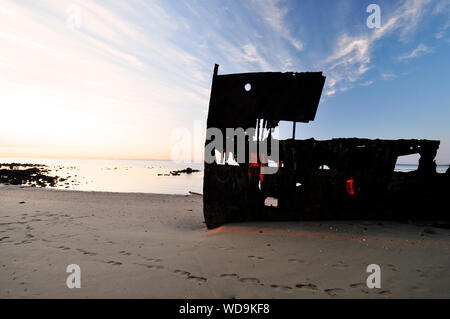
[(135, 176), (410, 168), (129, 176)]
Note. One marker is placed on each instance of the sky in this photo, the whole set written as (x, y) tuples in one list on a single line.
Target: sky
[(116, 79)]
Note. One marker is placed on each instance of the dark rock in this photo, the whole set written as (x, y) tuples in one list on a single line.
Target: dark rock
[(184, 171), (26, 174)]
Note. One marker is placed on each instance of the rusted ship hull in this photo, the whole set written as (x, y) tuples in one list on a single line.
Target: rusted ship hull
[(359, 183), (334, 179)]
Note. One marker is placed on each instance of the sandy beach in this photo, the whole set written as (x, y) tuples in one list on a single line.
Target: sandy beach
[(132, 245)]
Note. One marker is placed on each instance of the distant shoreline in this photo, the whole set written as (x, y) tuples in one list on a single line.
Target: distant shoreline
[(158, 177)]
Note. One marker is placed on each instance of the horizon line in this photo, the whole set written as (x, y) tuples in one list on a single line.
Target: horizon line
[(143, 159)]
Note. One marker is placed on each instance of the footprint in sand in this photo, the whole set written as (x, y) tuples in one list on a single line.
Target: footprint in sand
[(392, 267), (155, 266), (229, 276), (188, 275), (384, 292), (197, 279), (3, 238), (281, 288), (247, 280), (150, 266), (300, 261), (250, 280), (114, 263), (358, 284), (340, 265), (63, 248), (364, 291), (307, 286), (86, 252), (156, 260), (125, 253), (26, 241), (333, 292), (182, 273), (255, 257)]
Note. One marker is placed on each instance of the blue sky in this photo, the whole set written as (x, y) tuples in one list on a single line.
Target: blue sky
[(119, 84)]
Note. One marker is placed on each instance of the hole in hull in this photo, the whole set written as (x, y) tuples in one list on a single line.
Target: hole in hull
[(271, 202), (407, 163)]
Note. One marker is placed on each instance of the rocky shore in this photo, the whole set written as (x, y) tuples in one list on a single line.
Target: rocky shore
[(28, 174)]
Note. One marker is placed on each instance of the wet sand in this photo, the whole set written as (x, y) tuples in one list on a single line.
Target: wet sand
[(157, 246)]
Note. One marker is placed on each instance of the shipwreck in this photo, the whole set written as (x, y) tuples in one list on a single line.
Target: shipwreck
[(342, 178)]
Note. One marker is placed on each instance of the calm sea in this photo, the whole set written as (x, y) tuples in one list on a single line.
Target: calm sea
[(135, 176), (141, 176), (409, 168)]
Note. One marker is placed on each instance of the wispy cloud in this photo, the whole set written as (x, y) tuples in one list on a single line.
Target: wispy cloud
[(97, 86), (441, 6), (275, 16), (251, 54), (131, 72), (352, 55), (367, 83), (421, 49), (136, 69), (443, 29), (388, 76)]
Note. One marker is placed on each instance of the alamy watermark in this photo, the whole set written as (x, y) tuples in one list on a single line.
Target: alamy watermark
[(233, 146), (74, 17), (74, 279), (374, 19), (374, 279)]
